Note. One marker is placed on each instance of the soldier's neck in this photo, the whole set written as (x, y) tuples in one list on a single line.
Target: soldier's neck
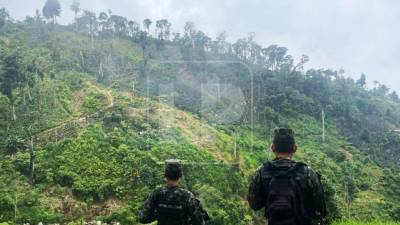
[(284, 156), (173, 183)]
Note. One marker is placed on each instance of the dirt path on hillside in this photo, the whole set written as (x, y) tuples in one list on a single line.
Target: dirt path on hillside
[(110, 103)]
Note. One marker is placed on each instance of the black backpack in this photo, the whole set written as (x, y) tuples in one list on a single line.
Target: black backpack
[(285, 196), (172, 209)]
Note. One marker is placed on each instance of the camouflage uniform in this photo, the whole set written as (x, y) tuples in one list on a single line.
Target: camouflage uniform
[(314, 199), (172, 205)]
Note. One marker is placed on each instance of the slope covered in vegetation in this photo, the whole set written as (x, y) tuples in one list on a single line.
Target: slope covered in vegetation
[(90, 111)]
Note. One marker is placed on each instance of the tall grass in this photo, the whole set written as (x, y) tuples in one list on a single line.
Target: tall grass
[(356, 222)]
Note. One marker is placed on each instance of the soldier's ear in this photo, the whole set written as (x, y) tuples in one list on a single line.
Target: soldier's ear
[(294, 148), (273, 148)]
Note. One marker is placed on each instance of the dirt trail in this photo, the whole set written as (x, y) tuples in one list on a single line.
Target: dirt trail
[(110, 103)]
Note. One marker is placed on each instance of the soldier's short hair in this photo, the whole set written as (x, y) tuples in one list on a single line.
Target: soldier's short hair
[(173, 169), (284, 141)]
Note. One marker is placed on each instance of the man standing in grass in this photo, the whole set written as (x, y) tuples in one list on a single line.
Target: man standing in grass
[(290, 192), (172, 205)]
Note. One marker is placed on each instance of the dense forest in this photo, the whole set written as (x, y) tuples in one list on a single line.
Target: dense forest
[(90, 110)]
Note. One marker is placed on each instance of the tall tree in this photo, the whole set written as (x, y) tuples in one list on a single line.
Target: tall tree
[(147, 23), (189, 33), (88, 23), (221, 46), (303, 60), (11, 75), (274, 56), (51, 10), (75, 7), (38, 17), (382, 90), (160, 27), (3, 16), (133, 28), (362, 82), (163, 29), (394, 96), (104, 24), (119, 24)]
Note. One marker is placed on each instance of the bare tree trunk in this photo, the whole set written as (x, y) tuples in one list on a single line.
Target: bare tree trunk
[(32, 162), (348, 202), (101, 72), (133, 89), (83, 62), (234, 146), (91, 35), (38, 97), (56, 134), (14, 115), (92, 39), (29, 93), (16, 206), (55, 98), (323, 125), (24, 98), (40, 100)]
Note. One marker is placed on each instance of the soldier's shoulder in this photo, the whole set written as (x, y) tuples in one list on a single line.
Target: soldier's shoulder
[(157, 190), (185, 192), (265, 165), (303, 167), (262, 168)]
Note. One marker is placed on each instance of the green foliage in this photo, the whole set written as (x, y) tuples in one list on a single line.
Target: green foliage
[(16, 196), (11, 73), (355, 222), (218, 118), (75, 81), (94, 100), (91, 166)]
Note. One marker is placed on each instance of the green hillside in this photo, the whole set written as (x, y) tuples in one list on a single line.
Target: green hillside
[(89, 112)]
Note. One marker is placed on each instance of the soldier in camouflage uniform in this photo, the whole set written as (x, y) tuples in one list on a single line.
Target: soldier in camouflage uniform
[(290, 192), (172, 205)]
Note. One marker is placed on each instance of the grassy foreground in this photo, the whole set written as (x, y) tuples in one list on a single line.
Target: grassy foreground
[(355, 222), (336, 223)]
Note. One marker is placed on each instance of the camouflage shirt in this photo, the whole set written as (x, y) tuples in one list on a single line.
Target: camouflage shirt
[(172, 205), (314, 199)]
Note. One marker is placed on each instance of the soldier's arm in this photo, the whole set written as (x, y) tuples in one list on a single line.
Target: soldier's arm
[(318, 194), (256, 196), (196, 213), (148, 215)]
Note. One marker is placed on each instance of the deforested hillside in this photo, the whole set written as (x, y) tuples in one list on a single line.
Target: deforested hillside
[(89, 112)]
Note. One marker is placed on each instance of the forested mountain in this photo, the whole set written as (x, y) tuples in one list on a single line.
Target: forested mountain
[(89, 111)]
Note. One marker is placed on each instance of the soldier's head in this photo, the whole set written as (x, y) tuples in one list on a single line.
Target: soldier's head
[(173, 170), (284, 142)]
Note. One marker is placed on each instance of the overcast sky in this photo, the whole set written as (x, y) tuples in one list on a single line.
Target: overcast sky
[(360, 36)]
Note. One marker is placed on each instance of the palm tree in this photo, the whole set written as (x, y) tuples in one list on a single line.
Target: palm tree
[(3, 16), (51, 10), (163, 28), (75, 7), (147, 23)]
